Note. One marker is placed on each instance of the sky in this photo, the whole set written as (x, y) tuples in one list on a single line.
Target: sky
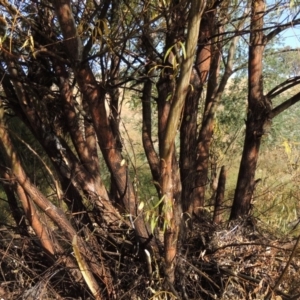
[(291, 37)]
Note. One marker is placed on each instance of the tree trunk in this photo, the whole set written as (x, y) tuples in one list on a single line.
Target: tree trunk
[(150, 152), (206, 131), (217, 218), (258, 116), (31, 197), (17, 214), (95, 97), (64, 160), (188, 128), (170, 177)]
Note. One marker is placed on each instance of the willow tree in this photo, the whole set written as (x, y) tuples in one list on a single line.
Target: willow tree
[(50, 83), (65, 68), (260, 110)]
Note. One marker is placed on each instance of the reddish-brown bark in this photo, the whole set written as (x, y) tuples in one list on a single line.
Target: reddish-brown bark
[(30, 196), (259, 108), (25, 191), (69, 167), (188, 128), (211, 64), (217, 217), (171, 114), (17, 214), (150, 152), (94, 94), (207, 127), (81, 134), (147, 103)]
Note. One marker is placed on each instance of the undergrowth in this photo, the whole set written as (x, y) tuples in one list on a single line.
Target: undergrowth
[(241, 260)]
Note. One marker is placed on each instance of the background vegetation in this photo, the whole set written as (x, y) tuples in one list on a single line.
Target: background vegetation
[(149, 150)]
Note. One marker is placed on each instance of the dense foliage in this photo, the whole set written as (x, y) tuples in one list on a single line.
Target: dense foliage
[(115, 120)]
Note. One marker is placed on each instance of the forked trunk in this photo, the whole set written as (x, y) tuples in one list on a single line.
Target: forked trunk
[(169, 174)]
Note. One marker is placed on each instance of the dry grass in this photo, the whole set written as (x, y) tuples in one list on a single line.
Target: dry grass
[(242, 260)]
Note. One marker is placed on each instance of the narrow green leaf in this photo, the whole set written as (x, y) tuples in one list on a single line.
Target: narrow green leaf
[(167, 53)]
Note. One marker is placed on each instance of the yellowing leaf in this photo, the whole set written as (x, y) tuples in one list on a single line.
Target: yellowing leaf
[(174, 63), (169, 97), (102, 27), (153, 224), (167, 53), (141, 205), (31, 40), (25, 44), (87, 275), (287, 148)]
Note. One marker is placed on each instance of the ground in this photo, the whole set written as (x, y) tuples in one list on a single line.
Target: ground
[(241, 260)]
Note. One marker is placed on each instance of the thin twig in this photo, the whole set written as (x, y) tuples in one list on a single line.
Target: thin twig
[(280, 279)]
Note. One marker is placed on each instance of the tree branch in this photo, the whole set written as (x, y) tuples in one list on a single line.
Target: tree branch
[(279, 89), (196, 11), (67, 24), (279, 29), (283, 106)]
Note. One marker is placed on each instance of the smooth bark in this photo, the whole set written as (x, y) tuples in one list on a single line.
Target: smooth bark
[(217, 217), (258, 115), (172, 209), (95, 97)]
